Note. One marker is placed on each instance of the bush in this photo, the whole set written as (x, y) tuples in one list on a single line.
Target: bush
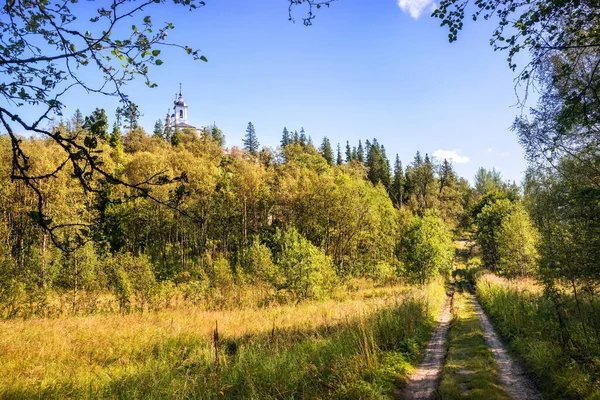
[(304, 269), (427, 247)]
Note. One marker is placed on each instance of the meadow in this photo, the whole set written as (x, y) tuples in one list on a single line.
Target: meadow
[(358, 344)]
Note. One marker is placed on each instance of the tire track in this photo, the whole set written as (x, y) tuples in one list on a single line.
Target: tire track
[(423, 383), (513, 377)]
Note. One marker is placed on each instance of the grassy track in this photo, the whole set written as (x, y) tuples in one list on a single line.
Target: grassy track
[(470, 370)]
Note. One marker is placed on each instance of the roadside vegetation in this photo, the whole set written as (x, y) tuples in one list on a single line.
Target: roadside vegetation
[(358, 347)]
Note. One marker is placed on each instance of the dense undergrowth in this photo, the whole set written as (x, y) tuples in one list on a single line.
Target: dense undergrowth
[(534, 324), (357, 348)]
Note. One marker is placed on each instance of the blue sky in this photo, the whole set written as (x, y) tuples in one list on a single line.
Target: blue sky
[(364, 69)]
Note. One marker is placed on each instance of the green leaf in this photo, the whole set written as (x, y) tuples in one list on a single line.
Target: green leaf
[(158, 62), (203, 58), (155, 52)]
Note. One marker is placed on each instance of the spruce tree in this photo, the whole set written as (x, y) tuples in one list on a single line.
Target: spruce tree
[(251, 143), (303, 140), (360, 153), (339, 160), (348, 152), (159, 129), (397, 189), (115, 137), (97, 124), (327, 151), (217, 135), (285, 138)]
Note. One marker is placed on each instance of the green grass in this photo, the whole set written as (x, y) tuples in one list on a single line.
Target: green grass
[(363, 356), (526, 318), (470, 370)]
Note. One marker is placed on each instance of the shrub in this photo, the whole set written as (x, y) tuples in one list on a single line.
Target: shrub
[(305, 270), (427, 247)]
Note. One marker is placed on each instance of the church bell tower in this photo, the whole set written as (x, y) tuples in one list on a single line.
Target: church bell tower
[(180, 111)]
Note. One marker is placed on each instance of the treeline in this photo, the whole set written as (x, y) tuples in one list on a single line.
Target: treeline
[(289, 222)]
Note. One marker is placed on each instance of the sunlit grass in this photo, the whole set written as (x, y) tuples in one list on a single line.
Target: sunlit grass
[(470, 371), (316, 347)]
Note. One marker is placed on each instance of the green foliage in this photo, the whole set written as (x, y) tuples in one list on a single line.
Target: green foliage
[(306, 271), (427, 247), (546, 330), (517, 244), (488, 223), (251, 143)]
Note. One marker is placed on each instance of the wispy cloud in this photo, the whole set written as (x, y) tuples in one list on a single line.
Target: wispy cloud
[(451, 155), (416, 7)]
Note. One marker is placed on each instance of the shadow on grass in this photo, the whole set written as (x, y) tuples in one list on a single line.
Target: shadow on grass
[(360, 358)]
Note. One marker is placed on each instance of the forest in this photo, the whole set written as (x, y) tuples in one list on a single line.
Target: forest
[(172, 264)]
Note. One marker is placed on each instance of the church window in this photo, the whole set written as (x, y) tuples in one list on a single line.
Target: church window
[(180, 113)]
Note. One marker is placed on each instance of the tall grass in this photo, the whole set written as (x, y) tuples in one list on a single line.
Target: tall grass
[(548, 338), (346, 348)]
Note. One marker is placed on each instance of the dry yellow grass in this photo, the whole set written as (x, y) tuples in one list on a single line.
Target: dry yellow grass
[(39, 352)]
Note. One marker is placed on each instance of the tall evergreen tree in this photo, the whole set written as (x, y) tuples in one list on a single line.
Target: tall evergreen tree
[(327, 151), (285, 138), (78, 120), (397, 190), (348, 152), (159, 129), (115, 137), (303, 140), (131, 115), (217, 135), (360, 153), (97, 124), (447, 175), (251, 143), (339, 160), (378, 165)]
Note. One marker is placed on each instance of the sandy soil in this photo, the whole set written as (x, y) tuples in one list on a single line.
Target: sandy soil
[(513, 378), (423, 383)]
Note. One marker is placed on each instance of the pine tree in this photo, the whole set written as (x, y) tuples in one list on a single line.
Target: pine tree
[(397, 190), (303, 140), (327, 151), (447, 175), (130, 116), (78, 120), (348, 152), (296, 137), (339, 160), (217, 135), (115, 137), (251, 143), (360, 153), (159, 129), (285, 138), (97, 124), (378, 165)]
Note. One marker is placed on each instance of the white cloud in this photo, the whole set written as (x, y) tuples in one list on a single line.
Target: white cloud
[(451, 155), (415, 7)]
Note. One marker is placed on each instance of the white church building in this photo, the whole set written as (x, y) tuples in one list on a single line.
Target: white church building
[(179, 117)]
